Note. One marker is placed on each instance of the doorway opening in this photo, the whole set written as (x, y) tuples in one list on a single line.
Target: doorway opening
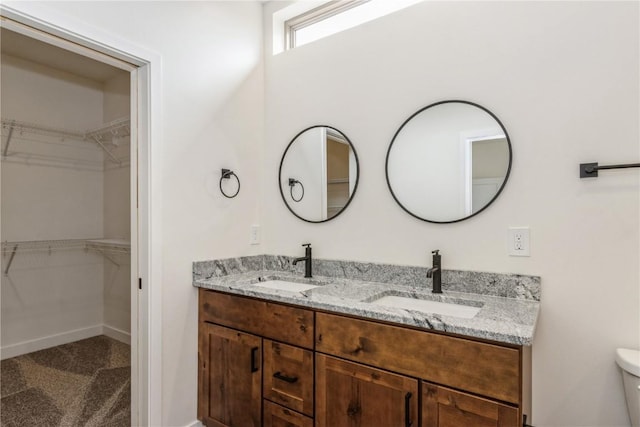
[(71, 310)]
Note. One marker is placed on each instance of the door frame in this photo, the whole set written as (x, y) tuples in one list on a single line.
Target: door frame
[(466, 147), (146, 327)]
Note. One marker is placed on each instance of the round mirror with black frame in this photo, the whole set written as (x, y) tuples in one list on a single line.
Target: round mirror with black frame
[(318, 174), (448, 161)]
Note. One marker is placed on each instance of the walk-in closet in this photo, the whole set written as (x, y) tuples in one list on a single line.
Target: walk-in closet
[(65, 230)]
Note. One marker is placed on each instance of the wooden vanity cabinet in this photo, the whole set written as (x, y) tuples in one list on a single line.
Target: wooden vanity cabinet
[(251, 350), (275, 365)]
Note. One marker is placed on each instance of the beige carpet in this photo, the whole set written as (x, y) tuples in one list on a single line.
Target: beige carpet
[(84, 383)]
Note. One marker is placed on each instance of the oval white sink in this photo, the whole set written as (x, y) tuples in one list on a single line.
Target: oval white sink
[(285, 286), (427, 306)]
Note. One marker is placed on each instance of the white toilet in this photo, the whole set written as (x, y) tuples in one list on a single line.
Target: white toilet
[(629, 361)]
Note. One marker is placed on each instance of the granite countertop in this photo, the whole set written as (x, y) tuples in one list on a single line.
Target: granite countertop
[(508, 317)]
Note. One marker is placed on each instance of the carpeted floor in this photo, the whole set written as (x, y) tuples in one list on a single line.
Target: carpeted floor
[(84, 383)]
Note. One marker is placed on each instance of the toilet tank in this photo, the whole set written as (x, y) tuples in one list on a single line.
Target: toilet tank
[(629, 361)]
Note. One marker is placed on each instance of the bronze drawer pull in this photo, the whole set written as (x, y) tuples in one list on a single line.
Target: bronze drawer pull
[(285, 378)]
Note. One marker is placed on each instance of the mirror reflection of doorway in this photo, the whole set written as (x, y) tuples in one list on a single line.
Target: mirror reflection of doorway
[(338, 188), (487, 165)]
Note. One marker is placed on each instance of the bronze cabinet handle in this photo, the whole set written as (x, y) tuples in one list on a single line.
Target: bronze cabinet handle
[(285, 378)]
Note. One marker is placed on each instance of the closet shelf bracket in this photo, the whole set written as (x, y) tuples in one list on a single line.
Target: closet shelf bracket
[(106, 150), (6, 144), (13, 254), (104, 254)]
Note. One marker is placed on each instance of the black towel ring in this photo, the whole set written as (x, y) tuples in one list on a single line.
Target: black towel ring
[(226, 174), (292, 183)]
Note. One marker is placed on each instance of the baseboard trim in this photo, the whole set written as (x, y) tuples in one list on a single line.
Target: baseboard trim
[(18, 349), (116, 334), (195, 424)]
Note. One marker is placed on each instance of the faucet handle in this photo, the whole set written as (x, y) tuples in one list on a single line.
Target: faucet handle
[(307, 245)]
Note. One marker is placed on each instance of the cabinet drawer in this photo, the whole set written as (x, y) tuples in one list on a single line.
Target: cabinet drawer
[(288, 376), (278, 416), (442, 406), (486, 369), (270, 320)]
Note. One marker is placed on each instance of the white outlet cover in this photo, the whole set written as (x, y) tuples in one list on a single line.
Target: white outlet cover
[(254, 235), (518, 241)]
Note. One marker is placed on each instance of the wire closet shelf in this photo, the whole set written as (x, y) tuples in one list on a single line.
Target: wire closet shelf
[(107, 137), (107, 247)]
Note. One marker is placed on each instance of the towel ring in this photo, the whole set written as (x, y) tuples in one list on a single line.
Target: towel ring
[(226, 174), (292, 183)]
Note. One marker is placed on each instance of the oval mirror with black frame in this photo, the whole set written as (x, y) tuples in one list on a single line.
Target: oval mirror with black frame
[(318, 174), (448, 161)]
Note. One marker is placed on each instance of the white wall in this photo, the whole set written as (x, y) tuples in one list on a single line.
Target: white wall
[(212, 107), (50, 294), (563, 79), (116, 208)]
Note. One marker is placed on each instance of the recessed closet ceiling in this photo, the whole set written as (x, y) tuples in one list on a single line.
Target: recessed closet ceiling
[(30, 49)]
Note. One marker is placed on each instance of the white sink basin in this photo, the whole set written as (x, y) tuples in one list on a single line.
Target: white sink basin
[(285, 286), (427, 306)]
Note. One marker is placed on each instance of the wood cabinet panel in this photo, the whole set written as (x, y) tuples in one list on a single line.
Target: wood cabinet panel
[(352, 395), (442, 407), (288, 376), (270, 320), (482, 368), (279, 416), (229, 380)]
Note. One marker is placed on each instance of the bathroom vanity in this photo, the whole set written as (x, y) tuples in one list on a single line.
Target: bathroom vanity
[(331, 356)]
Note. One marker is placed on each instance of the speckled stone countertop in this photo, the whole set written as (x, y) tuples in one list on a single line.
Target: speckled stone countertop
[(509, 304)]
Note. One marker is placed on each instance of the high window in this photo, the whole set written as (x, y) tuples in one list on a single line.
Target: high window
[(305, 22)]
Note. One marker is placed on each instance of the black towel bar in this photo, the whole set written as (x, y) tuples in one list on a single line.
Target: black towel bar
[(590, 170)]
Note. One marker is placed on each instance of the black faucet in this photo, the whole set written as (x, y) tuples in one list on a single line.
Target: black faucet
[(436, 272), (307, 260)]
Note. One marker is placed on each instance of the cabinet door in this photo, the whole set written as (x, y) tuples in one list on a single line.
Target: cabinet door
[(229, 392), (353, 395), (442, 407)]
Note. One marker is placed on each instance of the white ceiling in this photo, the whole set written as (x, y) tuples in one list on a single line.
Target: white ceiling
[(18, 45)]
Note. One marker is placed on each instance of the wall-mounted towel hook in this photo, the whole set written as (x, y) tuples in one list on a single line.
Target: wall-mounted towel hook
[(590, 170), (292, 183), (226, 174)]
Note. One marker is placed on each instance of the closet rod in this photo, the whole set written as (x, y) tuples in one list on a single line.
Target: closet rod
[(590, 170)]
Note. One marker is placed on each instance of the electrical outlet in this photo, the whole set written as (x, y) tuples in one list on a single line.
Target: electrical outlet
[(254, 235), (518, 241)]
